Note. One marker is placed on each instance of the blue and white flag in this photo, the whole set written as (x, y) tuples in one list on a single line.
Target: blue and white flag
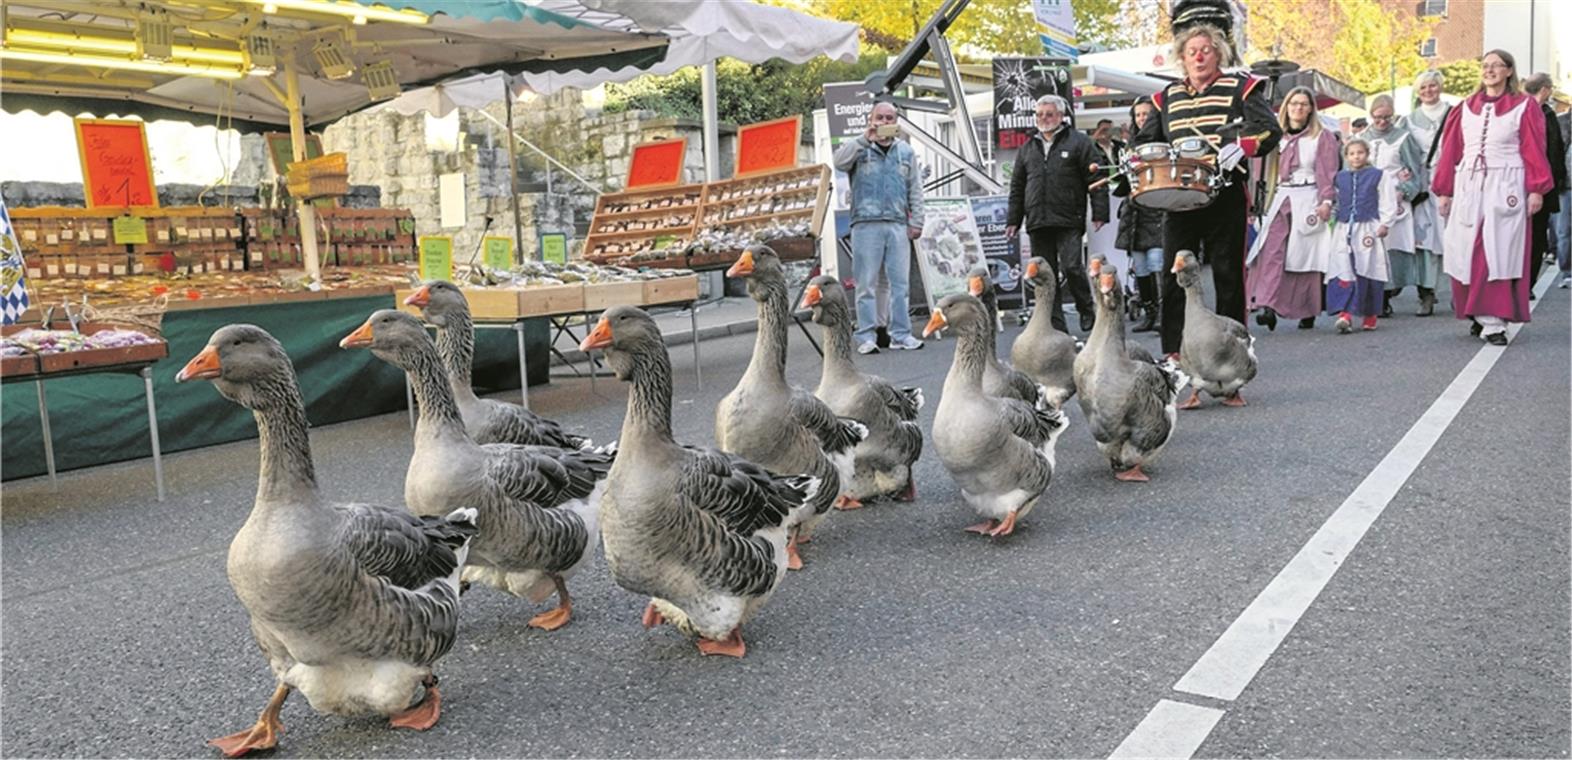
[(13, 273)]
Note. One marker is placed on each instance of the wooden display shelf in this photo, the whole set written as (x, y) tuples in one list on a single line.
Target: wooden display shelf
[(599, 296), (91, 358), (683, 230), (761, 196), (796, 212), (618, 215), (671, 290), (514, 303)]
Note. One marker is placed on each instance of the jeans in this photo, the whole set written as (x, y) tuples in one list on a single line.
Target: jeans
[(881, 246), (1561, 226), (1147, 263)]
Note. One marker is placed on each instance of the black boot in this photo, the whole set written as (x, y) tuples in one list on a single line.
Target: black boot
[(1267, 318), (1386, 303), (1427, 302), (1146, 285)]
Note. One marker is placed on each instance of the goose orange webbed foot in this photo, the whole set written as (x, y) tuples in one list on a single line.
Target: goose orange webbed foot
[(844, 502), (424, 715), (793, 559), (1194, 402), (1234, 400), (263, 735), (984, 528), (553, 619), (1132, 475), (652, 616), (1005, 527), (731, 646)]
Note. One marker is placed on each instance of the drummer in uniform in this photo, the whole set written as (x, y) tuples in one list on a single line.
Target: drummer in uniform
[(1206, 101)]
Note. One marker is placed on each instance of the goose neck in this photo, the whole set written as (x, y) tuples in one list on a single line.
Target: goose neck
[(838, 346), (769, 346), (287, 474), (971, 356), (438, 411), (1042, 315), (456, 345), (649, 398)]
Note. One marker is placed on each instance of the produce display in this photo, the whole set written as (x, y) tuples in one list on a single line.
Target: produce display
[(676, 228), (34, 340), (38, 350), (217, 288)]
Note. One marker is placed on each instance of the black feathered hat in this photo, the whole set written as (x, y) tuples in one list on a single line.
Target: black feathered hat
[(1218, 13)]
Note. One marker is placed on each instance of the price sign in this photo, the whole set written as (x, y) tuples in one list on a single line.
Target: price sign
[(130, 230), (554, 247), (657, 164), (498, 253), (116, 167), (436, 257), (768, 146)]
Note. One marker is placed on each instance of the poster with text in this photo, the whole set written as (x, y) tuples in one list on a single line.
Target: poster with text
[(1003, 254), (1017, 84), (949, 247), (846, 109)]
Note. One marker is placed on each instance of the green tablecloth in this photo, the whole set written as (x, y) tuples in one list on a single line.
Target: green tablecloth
[(102, 418)]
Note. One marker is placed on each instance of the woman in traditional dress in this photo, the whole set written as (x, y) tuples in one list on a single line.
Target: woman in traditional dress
[(1357, 272), (1400, 158), (1425, 125), (1141, 232), (1491, 177), (1289, 261)]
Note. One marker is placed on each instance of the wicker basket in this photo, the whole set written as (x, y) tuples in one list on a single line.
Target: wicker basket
[(319, 177)]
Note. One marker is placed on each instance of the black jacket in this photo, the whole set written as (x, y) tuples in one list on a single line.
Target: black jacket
[(1050, 190), (1140, 228), (1556, 151)]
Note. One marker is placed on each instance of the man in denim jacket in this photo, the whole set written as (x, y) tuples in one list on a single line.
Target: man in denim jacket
[(886, 201)]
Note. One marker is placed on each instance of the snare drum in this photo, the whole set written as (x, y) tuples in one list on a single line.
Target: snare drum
[(1152, 151), (1175, 184), (1192, 147)]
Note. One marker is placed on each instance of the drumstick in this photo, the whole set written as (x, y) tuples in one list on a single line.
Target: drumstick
[(1099, 183)]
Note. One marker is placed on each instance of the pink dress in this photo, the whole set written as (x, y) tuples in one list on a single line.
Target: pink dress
[(1287, 261), (1492, 157)]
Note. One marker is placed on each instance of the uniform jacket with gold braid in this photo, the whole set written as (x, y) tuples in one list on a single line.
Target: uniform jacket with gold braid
[(1235, 95)]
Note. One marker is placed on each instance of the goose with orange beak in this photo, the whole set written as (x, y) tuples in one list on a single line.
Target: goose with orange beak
[(352, 604), (1000, 451), (486, 420), (999, 379), (1217, 352), (539, 505), (882, 463), (1045, 354), (1128, 400), (700, 531), (768, 421)]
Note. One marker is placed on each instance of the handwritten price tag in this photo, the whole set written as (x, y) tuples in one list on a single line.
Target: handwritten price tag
[(116, 167)]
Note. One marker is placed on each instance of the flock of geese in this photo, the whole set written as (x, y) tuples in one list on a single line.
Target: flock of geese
[(353, 604)]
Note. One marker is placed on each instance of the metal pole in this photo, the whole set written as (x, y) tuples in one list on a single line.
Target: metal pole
[(693, 324), (49, 443), (152, 426), (409, 401), (513, 175), (518, 327), (297, 144), (711, 125)]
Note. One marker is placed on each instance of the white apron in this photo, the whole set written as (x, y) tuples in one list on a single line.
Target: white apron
[(1388, 157), (1488, 196), (1310, 240), (1102, 241)]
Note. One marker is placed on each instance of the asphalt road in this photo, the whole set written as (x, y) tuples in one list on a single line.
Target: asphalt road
[(1444, 633)]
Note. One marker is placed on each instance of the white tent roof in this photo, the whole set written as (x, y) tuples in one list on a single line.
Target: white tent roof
[(699, 31)]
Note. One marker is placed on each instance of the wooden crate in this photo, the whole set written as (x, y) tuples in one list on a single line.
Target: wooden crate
[(604, 295), (19, 366), (555, 299), (671, 290)]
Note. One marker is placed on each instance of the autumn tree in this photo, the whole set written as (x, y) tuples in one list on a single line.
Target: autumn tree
[(1460, 77)]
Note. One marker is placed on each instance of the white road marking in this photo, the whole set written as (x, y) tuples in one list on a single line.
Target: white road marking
[(1171, 729), (1233, 660)]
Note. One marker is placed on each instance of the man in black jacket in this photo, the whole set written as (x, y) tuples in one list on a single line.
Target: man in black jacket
[(1048, 191), (1540, 88)]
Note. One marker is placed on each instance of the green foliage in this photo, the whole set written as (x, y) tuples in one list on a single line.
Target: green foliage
[(744, 93), (1461, 77), (989, 27)]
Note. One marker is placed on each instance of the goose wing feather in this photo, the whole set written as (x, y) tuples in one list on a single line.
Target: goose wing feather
[(904, 402), (511, 423), (1151, 393), (408, 550), (545, 475), (744, 496), (1033, 422), (835, 434)]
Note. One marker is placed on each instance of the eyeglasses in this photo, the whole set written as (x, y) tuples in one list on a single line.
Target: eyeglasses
[(1488, 65)]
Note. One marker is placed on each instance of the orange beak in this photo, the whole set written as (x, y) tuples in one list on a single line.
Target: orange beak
[(975, 286), (421, 297), (743, 267), (1094, 267), (360, 338), (1031, 269), (600, 337), (811, 297), (1107, 281), (203, 366), (936, 323), (1178, 264)]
